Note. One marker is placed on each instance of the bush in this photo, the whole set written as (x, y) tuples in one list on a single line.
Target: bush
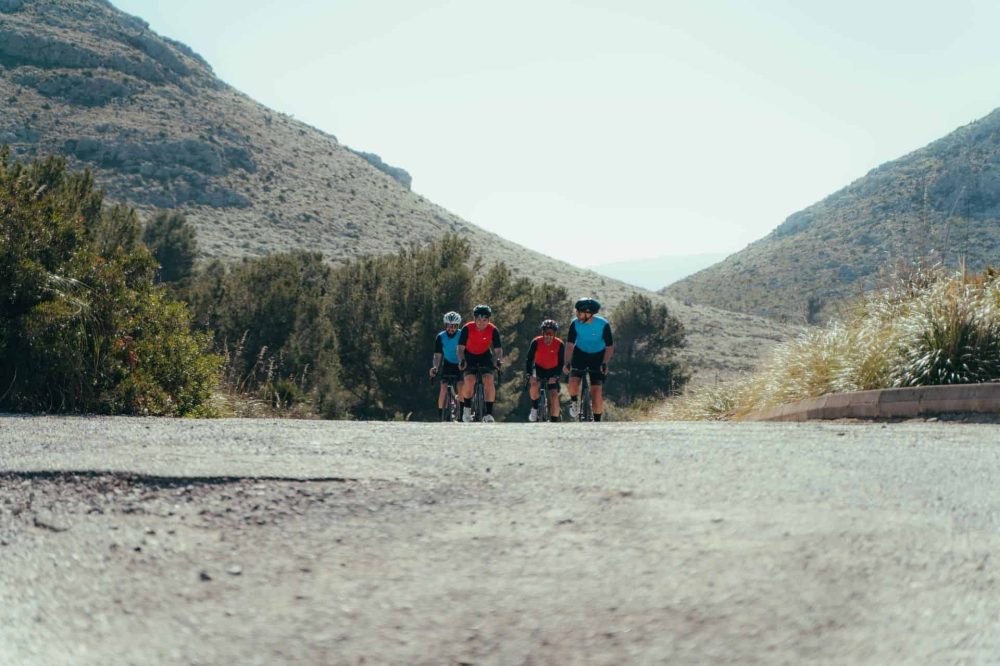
[(82, 327), (646, 338), (272, 321), (172, 241), (928, 328)]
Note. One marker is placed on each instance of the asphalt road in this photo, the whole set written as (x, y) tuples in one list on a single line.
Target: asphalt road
[(143, 541)]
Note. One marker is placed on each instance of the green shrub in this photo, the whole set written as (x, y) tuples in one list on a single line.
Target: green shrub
[(172, 241), (83, 328), (646, 338)]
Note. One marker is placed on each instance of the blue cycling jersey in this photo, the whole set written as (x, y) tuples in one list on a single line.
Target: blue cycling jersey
[(591, 337), (448, 345)]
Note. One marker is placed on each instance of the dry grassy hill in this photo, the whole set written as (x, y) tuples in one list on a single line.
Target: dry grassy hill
[(148, 116), (939, 204)]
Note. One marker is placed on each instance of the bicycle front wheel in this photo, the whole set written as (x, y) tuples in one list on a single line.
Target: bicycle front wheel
[(586, 406), (479, 401)]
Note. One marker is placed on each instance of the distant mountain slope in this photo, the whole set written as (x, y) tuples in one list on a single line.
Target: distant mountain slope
[(659, 272), (938, 203), (148, 116)]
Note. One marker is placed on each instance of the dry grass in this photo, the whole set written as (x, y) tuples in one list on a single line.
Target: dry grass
[(928, 328)]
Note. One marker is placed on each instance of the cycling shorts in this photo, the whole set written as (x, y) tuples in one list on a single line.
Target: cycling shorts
[(473, 361), (449, 372), (545, 375), (584, 363)]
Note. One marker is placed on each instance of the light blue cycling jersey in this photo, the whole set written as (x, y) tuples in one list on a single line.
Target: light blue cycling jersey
[(449, 346), (590, 337)]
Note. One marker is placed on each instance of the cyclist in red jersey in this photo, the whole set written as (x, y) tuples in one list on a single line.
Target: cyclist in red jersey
[(479, 347), (544, 365)]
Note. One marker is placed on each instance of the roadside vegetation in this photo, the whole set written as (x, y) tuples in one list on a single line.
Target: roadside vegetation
[(101, 314), (355, 341), (928, 327), (83, 327)]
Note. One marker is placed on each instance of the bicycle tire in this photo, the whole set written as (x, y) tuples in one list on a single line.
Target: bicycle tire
[(450, 412), (586, 407), (543, 402), (479, 399)]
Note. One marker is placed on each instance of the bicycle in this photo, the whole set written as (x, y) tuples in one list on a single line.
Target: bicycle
[(452, 410), (543, 396), (479, 392), (452, 407), (544, 402)]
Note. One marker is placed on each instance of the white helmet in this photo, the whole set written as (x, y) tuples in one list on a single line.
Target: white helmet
[(452, 318)]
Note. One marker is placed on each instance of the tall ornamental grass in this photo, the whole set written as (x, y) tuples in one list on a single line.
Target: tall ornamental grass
[(928, 328)]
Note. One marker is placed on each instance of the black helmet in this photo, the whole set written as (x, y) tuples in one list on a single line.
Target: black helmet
[(550, 323), (591, 305), (482, 311)]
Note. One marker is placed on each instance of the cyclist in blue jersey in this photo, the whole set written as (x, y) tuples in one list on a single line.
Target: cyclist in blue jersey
[(589, 346), (445, 361)]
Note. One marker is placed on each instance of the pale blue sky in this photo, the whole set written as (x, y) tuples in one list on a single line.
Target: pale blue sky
[(605, 130)]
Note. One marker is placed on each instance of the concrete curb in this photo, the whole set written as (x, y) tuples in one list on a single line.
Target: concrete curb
[(889, 403)]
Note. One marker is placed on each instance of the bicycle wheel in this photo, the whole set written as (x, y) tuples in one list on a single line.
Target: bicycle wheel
[(543, 403), (450, 412), (586, 407), (479, 399)]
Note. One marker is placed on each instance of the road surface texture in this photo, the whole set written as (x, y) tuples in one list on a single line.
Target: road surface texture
[(144, 541)]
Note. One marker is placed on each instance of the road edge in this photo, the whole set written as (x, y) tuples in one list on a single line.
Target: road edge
[(888, 403)]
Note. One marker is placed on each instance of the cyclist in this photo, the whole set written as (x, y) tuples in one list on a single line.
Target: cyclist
[(544, 365), (589, 346), (479, 347), (445, 360)]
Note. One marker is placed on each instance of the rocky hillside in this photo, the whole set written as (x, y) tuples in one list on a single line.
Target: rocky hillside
[(938, 204), (148, 116)]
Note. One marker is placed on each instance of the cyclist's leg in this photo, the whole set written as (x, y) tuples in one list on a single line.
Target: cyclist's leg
[(553, 388), (441, 394), (536, 396), (490, 388), (597, 391), (468, 388), (597, 398)]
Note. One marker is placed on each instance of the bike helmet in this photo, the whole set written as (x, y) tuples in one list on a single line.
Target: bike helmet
[(482, 311), (591, 305), (453, 318), (550, 323)]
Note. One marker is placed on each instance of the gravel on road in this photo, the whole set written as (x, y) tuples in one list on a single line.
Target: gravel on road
[(147, 541)]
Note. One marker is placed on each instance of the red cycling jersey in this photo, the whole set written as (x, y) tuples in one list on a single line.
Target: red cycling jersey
[(479, 342), (547, 356)]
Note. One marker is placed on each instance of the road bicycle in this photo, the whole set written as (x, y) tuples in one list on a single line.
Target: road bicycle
[(452, 407), (479, 392), (452, 410), (544, 413)]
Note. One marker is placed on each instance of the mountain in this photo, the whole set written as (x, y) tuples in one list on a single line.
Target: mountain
[(935, 205), (658, 272), (149, 118)]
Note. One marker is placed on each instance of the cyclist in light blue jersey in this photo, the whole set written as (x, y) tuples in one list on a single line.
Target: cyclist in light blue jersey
[(445, 361), (589, 346)]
